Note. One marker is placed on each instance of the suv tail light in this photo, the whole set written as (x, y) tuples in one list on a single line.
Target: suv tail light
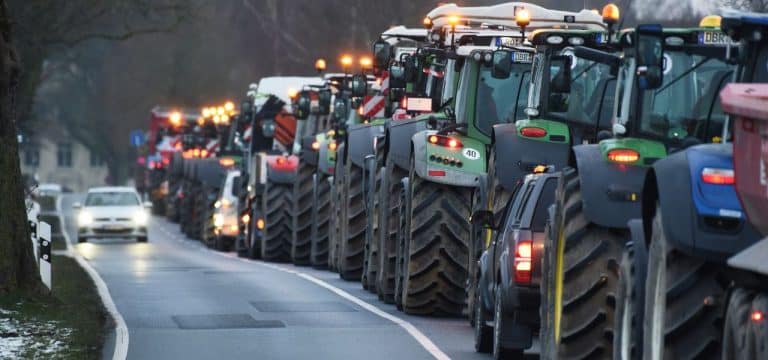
[(523, 266)]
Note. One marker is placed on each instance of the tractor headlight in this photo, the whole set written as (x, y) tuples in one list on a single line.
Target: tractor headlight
[(140, 218), (84, 218)]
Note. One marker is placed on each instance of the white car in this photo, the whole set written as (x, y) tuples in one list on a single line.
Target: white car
[(112, 212)]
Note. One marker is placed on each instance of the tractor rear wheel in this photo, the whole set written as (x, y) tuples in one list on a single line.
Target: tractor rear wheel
[(353, 224), (683, 311), (321, 208), (389, 221), (275, 239), (630, 303), (436, 255), (586, 274), (743, 337), (301, 215), (372, 233)]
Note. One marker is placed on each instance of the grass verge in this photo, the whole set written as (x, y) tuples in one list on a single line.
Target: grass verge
[(69, 324)]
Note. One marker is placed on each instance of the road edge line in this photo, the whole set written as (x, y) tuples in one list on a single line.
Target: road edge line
[(415, 333), (121, 329)]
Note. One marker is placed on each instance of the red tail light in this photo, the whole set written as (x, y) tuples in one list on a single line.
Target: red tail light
[(718, 176), (280, 161), (535, 132), (446, 141), (623, 155), (757, 316), (436, 173), (523, 265), (404, 103)]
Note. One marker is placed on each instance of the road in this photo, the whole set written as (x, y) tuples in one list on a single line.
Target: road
[(181, 300)]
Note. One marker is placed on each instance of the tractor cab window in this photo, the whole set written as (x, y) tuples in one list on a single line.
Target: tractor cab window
[(761, 66), (501, 100), (587, 98), (683, 106)]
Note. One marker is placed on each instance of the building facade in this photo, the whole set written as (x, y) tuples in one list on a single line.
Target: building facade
[(63, 161)]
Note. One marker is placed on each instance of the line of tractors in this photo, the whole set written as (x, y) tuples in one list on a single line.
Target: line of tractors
[(548, 174)]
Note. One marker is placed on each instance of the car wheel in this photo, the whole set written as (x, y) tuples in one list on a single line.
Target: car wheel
[(81, 239), (142, 239)]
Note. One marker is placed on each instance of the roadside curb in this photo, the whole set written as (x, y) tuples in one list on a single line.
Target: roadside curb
[(121, 329)]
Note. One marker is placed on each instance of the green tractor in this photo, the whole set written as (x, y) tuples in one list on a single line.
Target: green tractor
[(571, 100), (358, 254), (666, 105), (447, 160)]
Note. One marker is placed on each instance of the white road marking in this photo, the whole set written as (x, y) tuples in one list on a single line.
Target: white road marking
[(121, 329), (422, 339)]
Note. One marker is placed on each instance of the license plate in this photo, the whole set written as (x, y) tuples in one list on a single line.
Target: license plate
[(713, 38), (114, 227)]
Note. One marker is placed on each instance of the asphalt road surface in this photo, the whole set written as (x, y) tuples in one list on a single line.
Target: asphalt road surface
[(181, 300)]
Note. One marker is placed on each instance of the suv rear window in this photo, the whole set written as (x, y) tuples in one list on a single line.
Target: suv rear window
[(546, 198), (111, 199)]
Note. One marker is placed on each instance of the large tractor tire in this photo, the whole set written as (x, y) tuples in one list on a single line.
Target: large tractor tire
[(436, 256), (402, 240), (276, 237), (352, 247), (547, 307), (373, 210), (744, 337), (198, 220), (301, 215), (321, 209), (389, 222), (254, 236), (585, 279), (630, 304), (683, 302)]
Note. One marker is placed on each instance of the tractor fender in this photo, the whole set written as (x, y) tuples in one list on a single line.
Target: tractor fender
[(360, 140), (282, 172), (515, 156), (611, 193), (308, 154), (399, 141), (705, 220), (449, 177)]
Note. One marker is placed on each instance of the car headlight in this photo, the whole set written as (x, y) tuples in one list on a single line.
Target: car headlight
[(84, 218), (140, 218)]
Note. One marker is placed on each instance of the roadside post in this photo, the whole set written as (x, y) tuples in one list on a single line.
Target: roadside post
[(44, 259)]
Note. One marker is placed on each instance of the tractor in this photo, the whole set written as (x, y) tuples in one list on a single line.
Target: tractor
[(659, 164)]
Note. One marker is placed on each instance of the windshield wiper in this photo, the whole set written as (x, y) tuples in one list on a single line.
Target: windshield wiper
[(583, 72), (686, 72)]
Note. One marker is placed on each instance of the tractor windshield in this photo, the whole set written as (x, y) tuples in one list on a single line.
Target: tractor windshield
[(586, 102), (501, 100), (687, 103)]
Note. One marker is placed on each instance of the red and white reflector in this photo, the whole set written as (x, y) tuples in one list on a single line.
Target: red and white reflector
[(373, 106)]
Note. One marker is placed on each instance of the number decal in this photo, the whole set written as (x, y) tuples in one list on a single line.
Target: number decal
[(471, 154)]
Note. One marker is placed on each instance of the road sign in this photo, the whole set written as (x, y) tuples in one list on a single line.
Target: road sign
[(137, 138)]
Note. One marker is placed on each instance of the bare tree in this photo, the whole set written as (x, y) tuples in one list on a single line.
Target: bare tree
[(41, 27)]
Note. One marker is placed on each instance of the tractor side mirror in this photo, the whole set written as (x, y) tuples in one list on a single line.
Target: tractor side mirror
[(502, 64), (359, 85), (340, 109), (396, 76), (324, 101), (303, 107), (483, 218), (649, 52), (560, 74), (381, 54), (268, 128)]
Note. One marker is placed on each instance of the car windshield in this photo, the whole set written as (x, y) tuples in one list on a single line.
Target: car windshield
[(501, 100), (687, 103), (118, 198), (588, 87)]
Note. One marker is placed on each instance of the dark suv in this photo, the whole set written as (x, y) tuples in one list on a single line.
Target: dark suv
[(507, 314)]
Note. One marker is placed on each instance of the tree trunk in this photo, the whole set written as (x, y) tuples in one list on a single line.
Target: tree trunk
[(17, 263)]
